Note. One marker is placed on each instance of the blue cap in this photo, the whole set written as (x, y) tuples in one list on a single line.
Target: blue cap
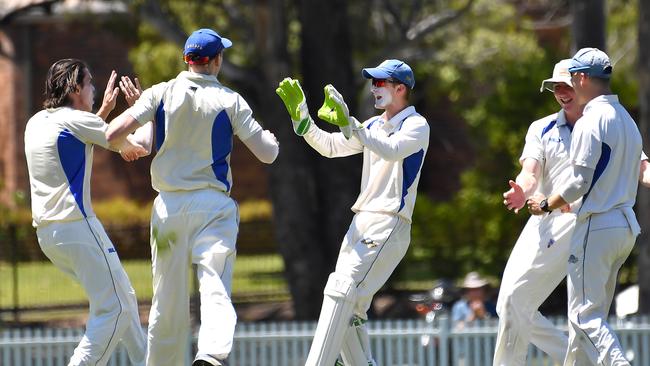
[(592, 62), (395, 69), (205, 43)]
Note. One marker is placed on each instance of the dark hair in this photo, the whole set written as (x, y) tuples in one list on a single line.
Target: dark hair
[(63, 78)]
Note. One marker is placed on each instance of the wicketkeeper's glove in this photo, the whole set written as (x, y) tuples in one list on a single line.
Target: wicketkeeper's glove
[(294, 99), (335, 111)]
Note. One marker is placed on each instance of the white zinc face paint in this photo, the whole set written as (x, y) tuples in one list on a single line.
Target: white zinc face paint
[(382, 96)]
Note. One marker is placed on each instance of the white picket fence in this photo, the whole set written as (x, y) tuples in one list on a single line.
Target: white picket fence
[(394, 343)]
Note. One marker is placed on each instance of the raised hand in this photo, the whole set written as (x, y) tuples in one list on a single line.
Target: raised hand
[(514, 199), (130, 90), (294, 100), (110, 97), (336, 112)]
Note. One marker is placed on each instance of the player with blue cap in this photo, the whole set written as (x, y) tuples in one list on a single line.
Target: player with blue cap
[(592, 62), (203, 45), (605, 154), (194, 220), (393, 145), (391, 69)]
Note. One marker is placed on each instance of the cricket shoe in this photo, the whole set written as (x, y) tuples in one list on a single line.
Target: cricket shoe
[(207, 360)]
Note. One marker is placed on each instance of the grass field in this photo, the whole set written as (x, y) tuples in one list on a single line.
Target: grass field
[(42, 284)]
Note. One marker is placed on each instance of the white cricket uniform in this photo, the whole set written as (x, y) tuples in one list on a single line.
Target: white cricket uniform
[(607, 140), (59, 151), (194, 220), (537, 263), (380, 232)]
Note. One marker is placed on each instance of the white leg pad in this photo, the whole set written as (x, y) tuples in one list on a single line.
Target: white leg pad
[(356, 347), (334, 320)]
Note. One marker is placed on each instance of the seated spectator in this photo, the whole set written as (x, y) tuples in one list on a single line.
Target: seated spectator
[(474, 304)]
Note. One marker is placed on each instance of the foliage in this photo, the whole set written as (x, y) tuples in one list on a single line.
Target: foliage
[(492, 73)]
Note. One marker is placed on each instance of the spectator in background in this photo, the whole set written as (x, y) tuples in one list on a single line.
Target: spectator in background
[(475, 303)]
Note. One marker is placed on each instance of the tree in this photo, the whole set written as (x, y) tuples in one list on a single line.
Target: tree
[(311, 195), (588, 24)]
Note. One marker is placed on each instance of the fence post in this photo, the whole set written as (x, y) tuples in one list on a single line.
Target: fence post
[(445, 328), (14, 265)]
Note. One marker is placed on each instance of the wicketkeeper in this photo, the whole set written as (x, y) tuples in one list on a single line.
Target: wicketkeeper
[(393, 145)]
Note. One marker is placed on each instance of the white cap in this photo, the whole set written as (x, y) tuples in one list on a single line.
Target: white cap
[(561, 74), (474, 280)]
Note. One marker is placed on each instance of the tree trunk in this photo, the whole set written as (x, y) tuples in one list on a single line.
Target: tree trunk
[(643, 199), (588, 24), (311, 195)]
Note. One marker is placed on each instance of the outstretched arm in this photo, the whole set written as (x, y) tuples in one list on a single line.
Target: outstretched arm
[(116, 135), (577, 187), (327, 144), (263, 145)]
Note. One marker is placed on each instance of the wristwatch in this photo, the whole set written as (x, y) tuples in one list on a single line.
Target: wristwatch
[(543, 205)]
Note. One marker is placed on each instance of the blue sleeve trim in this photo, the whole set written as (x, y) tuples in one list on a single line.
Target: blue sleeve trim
[(410, 169), (72, 155), (605, 155), (221, 147), (160, 125)]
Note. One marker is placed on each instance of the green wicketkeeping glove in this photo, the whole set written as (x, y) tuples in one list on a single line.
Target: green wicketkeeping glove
[(335, 111), (294, 99)]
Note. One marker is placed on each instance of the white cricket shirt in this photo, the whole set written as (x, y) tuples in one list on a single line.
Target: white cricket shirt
[(549, 141), (393, 154), (607, 140), (59, 151), (195, 118)]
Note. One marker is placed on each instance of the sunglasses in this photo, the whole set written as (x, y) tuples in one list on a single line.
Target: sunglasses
[(378, 83), (196, 60)]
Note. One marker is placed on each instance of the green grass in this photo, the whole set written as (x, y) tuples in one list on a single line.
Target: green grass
[(42, 284)]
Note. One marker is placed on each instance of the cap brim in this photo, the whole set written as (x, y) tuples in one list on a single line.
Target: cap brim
[(375, 73), (226, 42), (567, 81)]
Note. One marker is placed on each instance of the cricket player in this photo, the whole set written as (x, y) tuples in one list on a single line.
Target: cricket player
[(537, 263), (393, 144), (604, 156), (59, 143), (194, 219)]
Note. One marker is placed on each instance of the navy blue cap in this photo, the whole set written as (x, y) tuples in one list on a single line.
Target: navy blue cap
[(205, 43), (395, 69), (592, 62)]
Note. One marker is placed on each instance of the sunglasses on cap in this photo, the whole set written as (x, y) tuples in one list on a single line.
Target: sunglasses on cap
[(553, 87), (196, 60), (378, 83)]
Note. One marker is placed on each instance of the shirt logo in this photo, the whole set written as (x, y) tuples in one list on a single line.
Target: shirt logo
[(550, 243), (369, 243), (111, 250), (573, 259)]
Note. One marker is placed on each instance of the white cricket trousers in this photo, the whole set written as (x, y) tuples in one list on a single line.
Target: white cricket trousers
[(537, 264), (600, 245), (371, 250), (188, 227), (83, 250)]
